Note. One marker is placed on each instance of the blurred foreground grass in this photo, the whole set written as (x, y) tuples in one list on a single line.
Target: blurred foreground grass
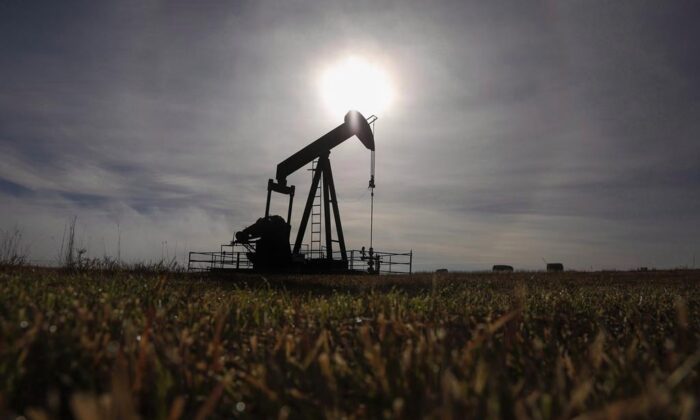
[(523, 345)]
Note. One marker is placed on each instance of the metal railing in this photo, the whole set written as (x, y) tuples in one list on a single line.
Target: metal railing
[(384, 262), (235, 257), (229, 257)]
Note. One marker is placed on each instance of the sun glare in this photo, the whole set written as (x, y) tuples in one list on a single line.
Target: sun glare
[(356, 84)]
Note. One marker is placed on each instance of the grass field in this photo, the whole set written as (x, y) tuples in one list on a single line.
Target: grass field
[(523, 345)]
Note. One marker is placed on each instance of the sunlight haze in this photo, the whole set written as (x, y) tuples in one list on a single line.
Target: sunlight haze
[(355, 83)]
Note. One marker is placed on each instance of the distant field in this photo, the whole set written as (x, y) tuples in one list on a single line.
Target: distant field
[(523, 345)]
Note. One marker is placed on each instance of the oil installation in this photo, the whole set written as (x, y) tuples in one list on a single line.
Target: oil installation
[(265, 245)]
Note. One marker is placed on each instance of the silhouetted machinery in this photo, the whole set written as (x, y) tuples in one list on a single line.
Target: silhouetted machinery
[(264, 246), (267, 240)]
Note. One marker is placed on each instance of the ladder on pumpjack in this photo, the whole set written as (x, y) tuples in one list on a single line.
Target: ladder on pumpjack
[(315, 250)]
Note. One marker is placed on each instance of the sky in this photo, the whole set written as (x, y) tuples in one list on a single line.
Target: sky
[(518, 133)]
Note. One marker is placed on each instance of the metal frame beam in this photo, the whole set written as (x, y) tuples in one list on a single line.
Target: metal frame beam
[(307, 210), (329, 198), (328, 180)]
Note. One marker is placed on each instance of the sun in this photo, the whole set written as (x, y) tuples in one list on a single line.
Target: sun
[(357, 84)]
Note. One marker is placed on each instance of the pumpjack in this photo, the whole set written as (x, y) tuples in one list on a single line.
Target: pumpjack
[(267, 240)]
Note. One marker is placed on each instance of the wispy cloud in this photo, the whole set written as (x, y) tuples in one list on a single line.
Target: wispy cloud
[(519, 130)]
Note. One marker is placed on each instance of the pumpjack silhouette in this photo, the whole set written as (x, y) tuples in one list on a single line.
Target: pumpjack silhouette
[(265, 245), (268, 238)]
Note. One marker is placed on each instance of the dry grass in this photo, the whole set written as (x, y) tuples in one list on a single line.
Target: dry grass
[(524, 345)]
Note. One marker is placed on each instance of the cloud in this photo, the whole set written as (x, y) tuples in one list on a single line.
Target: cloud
[(519, 130)]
